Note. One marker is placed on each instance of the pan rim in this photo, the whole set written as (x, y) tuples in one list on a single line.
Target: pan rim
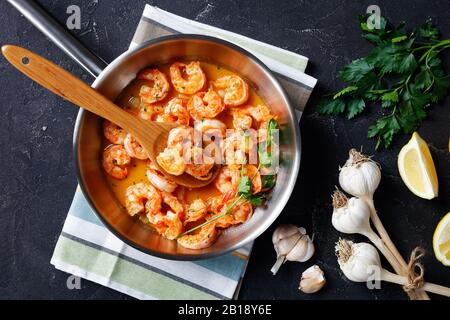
[(287, 190)]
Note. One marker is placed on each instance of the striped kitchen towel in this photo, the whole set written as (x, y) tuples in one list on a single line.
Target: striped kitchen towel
[(87, 249)]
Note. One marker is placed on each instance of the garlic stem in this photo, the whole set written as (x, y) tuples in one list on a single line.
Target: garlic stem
[(278, 264), (402, 280), (400, 266), (393, 278), (437, 289), (378, 242)]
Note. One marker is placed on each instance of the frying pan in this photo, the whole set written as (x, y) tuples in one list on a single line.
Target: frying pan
[(113, 78)]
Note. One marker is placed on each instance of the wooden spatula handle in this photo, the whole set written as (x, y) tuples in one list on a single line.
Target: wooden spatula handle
[(151, 135), (64, 84)]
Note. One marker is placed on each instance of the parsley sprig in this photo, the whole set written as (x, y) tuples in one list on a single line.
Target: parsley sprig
[(403, 73)]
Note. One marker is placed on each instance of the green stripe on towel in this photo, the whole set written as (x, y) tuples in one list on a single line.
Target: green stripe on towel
[(125, 272)]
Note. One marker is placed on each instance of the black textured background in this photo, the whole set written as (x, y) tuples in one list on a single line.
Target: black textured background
[(37, 177)]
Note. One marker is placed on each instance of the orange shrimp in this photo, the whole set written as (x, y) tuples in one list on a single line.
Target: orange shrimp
[(175, 111), (174, 226), (252, 172), (134, 149), (180, 137), (199, 165), (142, 197), (241, 119), (158, 180), (113, 132), (238, 214), (172, 161), (114, 161), (227, 179), (187, 78), (158, 87), (205, 105), (232, 89), (196, 210), (203, 239), (260, 113)]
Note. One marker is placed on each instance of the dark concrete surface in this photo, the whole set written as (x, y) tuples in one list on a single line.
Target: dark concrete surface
[(37, 178)]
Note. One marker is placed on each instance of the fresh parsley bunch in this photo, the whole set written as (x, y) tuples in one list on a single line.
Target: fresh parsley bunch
[(403, 73)]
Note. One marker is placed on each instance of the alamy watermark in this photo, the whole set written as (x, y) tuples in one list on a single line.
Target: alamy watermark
[(374, 20), (74, 20), (73, 282), (374, 279)]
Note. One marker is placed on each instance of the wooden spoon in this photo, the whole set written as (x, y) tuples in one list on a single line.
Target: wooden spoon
[(151, 135)]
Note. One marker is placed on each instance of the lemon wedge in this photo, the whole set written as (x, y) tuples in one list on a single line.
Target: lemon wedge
[(441, 240), (416, 168)]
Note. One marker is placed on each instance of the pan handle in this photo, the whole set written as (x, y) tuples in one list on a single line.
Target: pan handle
[(60, 36)]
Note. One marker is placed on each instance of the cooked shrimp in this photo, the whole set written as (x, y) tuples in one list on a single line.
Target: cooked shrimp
[(149, 111), (232, 89), (200, 171), (213, 134), (216, 203), (168, 225), (134, 149), (158, 88), (115, 159), (241, 119), (173, 224), (113, 132), (238, 144), (142, 197), (158, 180), (196, 210), (252, 172), (180, 137), (175, 111), (259, 113), (172, 202), (187, 78), (156, 219), (171, 161), (227, 179), (208, 124), (205, 105), (240, 213), (199, 164), (205, 238)]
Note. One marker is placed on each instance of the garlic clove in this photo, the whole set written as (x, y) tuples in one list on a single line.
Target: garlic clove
[(313, 279), (303, 250), (291, 243), (284, 231), (285, 246)]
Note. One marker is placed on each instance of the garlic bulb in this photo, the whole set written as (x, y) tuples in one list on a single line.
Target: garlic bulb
[(357, 259), (312, 280), (360, 176), (291, 243), (353, 216), (350, 215)]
